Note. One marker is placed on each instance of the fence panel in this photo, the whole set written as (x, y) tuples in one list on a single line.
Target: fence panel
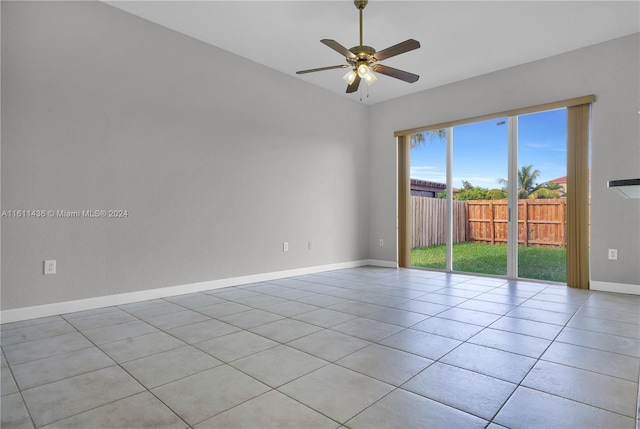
[(486, 220), (429, 221), (540, 222)]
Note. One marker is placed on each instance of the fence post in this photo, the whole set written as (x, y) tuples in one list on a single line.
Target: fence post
[(492, 224), (526, 223), (467, 227), (563, 222)]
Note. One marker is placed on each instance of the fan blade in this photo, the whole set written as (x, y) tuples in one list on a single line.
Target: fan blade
[(354, 86), (400, 48), (398, 74), (338, 48), (344, 66)]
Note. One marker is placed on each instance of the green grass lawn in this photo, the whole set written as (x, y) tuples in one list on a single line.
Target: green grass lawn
[(541, 263)]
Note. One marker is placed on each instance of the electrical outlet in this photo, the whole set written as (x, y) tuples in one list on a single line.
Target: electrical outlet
[(309, 246), (613, 254), (381, 242), (285, 247), (50, 266)]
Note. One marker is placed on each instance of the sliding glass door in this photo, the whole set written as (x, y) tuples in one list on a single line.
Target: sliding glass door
[(428, 202), (500, 206), (542, 195), (479, 199)]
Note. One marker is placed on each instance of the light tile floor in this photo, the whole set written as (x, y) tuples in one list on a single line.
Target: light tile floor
[(355, 348)]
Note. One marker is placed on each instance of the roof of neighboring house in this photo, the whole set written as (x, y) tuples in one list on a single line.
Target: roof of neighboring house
[(417, 183), (562, 179)]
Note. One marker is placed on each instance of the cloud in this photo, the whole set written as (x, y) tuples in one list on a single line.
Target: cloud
[(538, 145), (429, 173), (549, 146), (423, 168)]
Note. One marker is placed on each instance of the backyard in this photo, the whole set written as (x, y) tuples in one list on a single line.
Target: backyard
[(542, 263)]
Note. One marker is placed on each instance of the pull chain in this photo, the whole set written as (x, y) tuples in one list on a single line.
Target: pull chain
[(361, 90)]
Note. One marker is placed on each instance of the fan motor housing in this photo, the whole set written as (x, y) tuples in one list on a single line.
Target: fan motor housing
[(360, 4), (363, 52)]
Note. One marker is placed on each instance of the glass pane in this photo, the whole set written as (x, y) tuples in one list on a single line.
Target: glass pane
[(542, 202), (428, 203), (480, 206)]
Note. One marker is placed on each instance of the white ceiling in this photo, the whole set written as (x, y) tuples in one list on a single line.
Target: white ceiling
[(460, 39)]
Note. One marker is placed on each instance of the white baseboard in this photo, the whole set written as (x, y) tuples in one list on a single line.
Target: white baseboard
[(384, 264), (26, 313), (615, 287)]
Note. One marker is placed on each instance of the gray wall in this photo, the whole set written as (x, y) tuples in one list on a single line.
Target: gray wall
[(609, 70), (218, 160)]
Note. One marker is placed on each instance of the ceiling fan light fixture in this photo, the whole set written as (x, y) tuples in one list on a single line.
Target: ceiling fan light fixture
[(363, 70), (350, 77), (370, 78)]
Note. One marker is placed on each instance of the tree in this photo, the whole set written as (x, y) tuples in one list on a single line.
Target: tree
[(497, 194), (526, 181), (542, 193), (527, 188), (418, 139), (470, 192), (547, 190)]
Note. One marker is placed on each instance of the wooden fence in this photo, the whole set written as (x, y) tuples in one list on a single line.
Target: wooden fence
[(541, 223), (429, 221)]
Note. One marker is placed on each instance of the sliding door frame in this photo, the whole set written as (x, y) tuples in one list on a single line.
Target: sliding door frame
[(404, 201), (578, 122), (512, 197)]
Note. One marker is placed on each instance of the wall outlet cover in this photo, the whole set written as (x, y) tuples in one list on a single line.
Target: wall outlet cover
[(50, 266)]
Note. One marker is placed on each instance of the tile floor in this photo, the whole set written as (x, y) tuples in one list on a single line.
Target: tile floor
[(355, 348)]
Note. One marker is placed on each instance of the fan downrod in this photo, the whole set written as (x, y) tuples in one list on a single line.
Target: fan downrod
[(360, 5)]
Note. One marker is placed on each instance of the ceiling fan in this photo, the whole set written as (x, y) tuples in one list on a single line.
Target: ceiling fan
[(363, 60)]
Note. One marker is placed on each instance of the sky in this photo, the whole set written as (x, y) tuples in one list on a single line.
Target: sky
[(480, 151)]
